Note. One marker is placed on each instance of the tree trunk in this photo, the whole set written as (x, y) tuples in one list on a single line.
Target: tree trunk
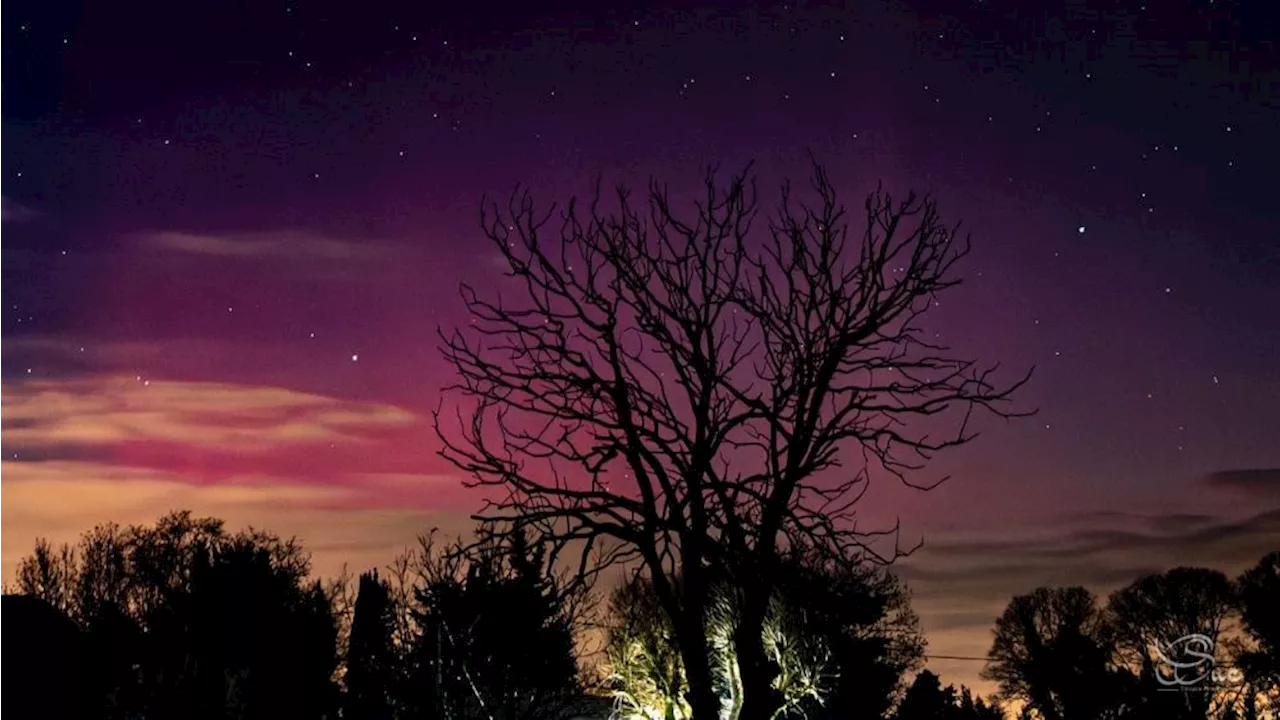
[(691, 629), (701, 694), (760, 699), (702, 698)]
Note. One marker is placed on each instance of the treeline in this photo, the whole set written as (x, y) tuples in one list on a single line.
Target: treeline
[(1189, 643), (185, 619)]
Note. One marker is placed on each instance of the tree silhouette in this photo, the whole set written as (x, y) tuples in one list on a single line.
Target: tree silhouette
[(495, 634), (863, 615), (1259, 597), (86, 583), (927, 699), (1050, 651), (184, 620), (50, 574), (672, 389), (1155, 611), (976, 708), (102, 585), (372, 662), (268, 633), (1056, 651)]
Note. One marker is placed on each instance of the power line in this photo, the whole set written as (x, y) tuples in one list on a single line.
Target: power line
[(1224, 663), (954, 657)]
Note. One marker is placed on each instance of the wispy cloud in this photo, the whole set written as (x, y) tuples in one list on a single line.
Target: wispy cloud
[(347, 477), (284, 244), (107, 410), (11, 211)]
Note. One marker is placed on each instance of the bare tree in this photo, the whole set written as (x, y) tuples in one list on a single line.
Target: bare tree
[(675, 391), (51, 575)]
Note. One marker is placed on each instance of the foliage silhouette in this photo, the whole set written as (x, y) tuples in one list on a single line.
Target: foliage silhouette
[(1050, 651), (863, 615), (495, 633), (1066, 657), (927, 699), (1158, 609), (1259, 596), (371, 671), (184, 620)]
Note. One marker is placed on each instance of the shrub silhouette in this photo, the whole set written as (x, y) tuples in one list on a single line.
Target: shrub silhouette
[(44, 672)]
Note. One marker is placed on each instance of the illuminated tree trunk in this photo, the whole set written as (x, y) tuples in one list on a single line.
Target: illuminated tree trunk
[(701, 695), (736, 711)]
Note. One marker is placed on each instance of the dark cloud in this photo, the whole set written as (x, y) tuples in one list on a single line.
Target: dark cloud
[(1084, 533), (952, 578), (1174, 522), (1162, 522), (1259, 481)]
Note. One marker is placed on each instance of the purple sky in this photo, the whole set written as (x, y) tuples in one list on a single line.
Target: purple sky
[(229, 236)]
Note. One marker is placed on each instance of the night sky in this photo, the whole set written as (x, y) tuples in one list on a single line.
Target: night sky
[(230, 231)]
